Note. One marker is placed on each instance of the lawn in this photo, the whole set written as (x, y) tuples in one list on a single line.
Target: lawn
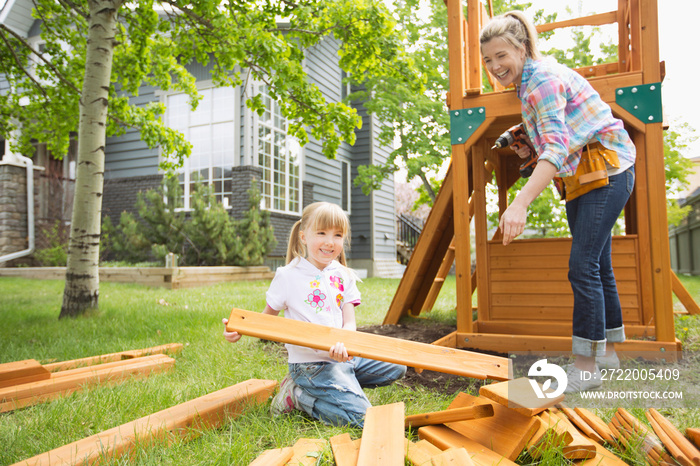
[(134, 316)]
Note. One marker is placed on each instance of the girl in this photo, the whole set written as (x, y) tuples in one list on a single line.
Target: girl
[(575, 134), (315, 287)]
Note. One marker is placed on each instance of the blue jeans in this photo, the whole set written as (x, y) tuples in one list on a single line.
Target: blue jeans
[(597, 311), (332, 391)]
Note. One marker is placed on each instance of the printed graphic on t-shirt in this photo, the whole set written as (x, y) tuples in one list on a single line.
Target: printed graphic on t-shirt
[(337, 282), (316, 299), (339, 300)]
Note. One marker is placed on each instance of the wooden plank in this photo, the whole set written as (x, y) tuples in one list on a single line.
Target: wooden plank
[(274, 457), (444, 437), (170, 348), (378, 347), (691, 454), (592, 20), (580, 447), (506, 432), (519, 395), (307, 451), (481, 232), (683, 296), (449, 415), (345, 451), (462, 237), (551, 434), (37, 392), (581, 424), (694, 435), (453, 456), (421, 453), (383, 436), (186, 419), (20, 372), (597, 424)]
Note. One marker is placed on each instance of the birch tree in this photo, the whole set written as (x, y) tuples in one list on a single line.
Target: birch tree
[(97, 52)]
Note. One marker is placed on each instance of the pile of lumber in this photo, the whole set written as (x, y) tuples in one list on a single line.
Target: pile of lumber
[(25, 383), (496, 427)]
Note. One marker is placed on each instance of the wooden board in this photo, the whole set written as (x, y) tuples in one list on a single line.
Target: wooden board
[(19, 396), (383, 436), (421, 453), (186, 419), (170, 348), (519, 395), (19, 372), (550, 434), (306, 451), (582, 425), (694, 435), (506, 432), (675, 442), (274, 457), (453, 456), (444, 437), (449, 415), (580, 447), (367, 345), (345, 450)]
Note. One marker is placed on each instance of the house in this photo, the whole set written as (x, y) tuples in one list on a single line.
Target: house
[(232, 146)]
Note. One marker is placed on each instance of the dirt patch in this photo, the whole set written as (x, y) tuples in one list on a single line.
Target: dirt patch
[(426, 332)]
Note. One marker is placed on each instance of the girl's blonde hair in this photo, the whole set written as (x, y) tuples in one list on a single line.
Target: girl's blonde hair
[(514, 28), (318, 216)]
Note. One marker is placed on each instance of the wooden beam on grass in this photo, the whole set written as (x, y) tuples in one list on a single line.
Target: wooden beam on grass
[(183, 420), (421, 453), (366, 345), (453, 456), (307, 451), (274, 457), (383, 436), (443, 437), (170, 348), (345, 449), (581, 424), (679, 446), (694, 435), (20, 372), (449, 415), (598, 425), (683, 296), (20, 396), (580, 447)]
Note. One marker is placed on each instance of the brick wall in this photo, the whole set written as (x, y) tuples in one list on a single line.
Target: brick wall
[(13, 210), (120, 194)]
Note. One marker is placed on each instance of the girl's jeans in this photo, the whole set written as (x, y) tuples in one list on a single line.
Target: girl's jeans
[(597, 312), (332, 391)]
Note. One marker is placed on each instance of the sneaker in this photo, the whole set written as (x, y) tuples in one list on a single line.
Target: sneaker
[(581, 381), (285, 401), (608, 361)]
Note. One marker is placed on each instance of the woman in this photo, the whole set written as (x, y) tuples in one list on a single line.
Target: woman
[(580, 143)]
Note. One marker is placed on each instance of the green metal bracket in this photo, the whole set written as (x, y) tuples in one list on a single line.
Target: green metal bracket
[(643, 101), (464, 122)]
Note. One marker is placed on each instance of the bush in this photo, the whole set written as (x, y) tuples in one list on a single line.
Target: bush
[(56, 254), (207, 235)]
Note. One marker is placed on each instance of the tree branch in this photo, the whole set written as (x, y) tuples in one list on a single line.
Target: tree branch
[(19, 63)]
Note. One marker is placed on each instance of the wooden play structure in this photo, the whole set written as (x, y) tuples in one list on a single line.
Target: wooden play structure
[(524, 298)]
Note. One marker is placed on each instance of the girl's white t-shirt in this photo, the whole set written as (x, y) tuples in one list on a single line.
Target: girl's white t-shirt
[(308, 294)]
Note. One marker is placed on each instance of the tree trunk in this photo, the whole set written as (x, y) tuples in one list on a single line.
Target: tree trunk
[(82, 272)]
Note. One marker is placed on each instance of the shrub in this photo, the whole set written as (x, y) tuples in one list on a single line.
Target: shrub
[(56, 254)]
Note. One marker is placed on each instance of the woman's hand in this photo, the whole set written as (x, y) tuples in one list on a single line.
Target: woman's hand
[(231, 337), (339, 353), (512, 222)]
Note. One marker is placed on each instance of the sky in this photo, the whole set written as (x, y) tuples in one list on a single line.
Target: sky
[(677, 20)]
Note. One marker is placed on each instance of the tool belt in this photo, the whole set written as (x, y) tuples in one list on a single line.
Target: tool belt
[(591, 173)]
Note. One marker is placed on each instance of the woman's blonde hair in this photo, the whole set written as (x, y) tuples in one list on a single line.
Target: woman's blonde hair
[(318, 216), (514, 28)]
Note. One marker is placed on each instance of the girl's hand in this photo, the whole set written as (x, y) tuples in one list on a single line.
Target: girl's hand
[(339, 353), (512, 222), (231, 337), (522, 150)]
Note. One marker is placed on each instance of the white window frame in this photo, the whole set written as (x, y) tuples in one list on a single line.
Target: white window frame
[(288, 147), (226, 197)]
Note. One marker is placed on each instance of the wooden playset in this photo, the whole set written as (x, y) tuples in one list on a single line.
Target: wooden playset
[(524, 298)]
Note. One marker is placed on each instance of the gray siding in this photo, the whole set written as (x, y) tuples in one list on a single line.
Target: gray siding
[(361, 214), (383, 204)]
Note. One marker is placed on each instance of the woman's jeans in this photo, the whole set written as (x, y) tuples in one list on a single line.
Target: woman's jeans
[(332, 391), (597, 312)]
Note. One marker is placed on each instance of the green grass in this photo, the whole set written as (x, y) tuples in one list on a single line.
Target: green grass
[(134, 316)]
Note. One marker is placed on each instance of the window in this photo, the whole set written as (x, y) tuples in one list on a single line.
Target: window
[(345, 185), (210, 130), (279, 156)]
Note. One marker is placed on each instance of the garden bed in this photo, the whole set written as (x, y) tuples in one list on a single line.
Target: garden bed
[(167, 277)]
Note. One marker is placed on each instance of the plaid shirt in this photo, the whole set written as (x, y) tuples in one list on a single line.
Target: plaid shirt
[(562, 112)]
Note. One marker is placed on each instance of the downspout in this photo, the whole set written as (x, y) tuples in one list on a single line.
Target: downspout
[(30, 206)]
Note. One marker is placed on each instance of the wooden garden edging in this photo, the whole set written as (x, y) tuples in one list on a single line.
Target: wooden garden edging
[(166, 277)]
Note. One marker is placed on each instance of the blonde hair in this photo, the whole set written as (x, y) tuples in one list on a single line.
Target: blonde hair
[(514, 28), (318, 216)]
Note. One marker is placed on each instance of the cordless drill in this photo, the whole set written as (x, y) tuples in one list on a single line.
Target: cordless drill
[(516, 136)]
